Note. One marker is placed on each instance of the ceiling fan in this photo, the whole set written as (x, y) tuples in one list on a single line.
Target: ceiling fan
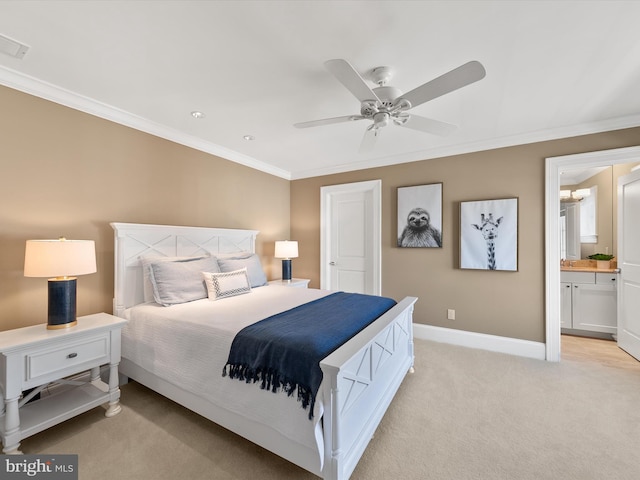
[(385, 104)]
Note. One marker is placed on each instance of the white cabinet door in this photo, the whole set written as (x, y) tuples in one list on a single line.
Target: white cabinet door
[(565, 305), (594, 307)]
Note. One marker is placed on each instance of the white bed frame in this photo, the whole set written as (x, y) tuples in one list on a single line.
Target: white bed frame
[(360, 378)]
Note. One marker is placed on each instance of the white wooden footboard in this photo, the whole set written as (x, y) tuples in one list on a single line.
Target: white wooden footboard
[(359, 381)]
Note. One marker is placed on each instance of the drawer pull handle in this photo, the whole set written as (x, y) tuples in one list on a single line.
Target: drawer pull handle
[(72, 355)]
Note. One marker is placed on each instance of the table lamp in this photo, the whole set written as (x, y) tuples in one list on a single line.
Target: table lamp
[(61, 260), (286, 250)]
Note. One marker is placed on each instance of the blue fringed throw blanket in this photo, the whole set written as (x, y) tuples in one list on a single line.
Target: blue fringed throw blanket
[(284, 350)]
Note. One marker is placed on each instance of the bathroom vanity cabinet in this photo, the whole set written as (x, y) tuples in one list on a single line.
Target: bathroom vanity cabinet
[(588, 301)]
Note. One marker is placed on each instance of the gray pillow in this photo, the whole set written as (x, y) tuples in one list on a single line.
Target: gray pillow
[(146, 262), (251, 262), (180, 282)]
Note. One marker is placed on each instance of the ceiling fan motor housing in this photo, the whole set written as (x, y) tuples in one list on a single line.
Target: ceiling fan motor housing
[(387, 94)]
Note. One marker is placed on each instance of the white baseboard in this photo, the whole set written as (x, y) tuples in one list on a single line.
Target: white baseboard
[(512, 346)]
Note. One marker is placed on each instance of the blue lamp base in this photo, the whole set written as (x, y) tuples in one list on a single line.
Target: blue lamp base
[(62, 303), (286, 269)]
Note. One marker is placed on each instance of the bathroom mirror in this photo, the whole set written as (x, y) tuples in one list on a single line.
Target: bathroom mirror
[(592, 197)]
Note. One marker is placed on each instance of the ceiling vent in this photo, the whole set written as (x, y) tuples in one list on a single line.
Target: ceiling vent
[(13, 48)]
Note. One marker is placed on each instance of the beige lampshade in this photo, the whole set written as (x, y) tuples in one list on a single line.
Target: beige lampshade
[(286, 249), (59, 258)]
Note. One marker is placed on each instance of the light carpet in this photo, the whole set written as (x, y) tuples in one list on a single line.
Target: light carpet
[(464, 414)]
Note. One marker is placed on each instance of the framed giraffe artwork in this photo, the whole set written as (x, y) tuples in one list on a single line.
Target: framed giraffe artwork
[(420, 216), (489, 234)]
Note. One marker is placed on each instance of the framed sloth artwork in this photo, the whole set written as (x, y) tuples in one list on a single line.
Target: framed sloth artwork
[(420, 216)]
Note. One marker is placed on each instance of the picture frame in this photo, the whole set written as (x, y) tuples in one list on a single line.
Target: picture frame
[(420, 216), (489, 234)]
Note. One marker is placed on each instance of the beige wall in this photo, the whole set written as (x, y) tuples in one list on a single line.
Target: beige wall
[(509, 304), (63, 172)]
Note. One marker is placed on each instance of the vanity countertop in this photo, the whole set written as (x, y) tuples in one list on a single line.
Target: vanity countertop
[(588, 269), (587, 266)]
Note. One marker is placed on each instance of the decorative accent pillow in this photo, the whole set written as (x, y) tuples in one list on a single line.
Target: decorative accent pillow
[(146, 271), (180, 282), (251, 262), (227, 284)]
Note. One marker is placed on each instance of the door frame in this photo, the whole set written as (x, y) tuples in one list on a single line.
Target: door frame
[(553, 166), (326, 193)]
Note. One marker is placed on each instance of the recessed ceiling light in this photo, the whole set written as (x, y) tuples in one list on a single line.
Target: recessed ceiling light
[(248, 138), (197, 114)]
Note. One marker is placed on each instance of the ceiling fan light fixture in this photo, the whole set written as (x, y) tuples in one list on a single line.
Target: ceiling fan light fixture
[(381, 119)]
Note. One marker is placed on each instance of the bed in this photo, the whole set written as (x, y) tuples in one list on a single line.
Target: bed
[(169, 350)]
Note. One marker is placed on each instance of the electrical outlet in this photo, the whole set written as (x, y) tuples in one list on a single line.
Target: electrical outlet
[(451, 314)]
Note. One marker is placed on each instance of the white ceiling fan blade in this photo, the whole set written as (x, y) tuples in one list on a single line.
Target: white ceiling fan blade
[(457, 78), (328, 121), (369, 139), (350, 78), (427, 125)]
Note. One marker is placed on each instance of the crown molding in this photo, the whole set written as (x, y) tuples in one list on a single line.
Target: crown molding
[(620, 123), (27, 84), (33, 86)]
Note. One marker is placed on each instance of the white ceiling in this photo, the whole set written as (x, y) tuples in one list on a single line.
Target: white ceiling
[(554, 69)]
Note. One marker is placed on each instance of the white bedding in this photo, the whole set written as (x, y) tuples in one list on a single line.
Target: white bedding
[(188, 345)]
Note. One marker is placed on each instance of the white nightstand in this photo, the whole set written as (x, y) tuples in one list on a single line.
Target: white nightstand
[(40, 359), (294, 282)]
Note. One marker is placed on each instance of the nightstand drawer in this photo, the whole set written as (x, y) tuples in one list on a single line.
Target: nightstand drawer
[(41, 364)]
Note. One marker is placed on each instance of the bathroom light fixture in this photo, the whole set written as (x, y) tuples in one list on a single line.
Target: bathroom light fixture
[(580, 193), (575, 195), (197, 114), (249, 138)]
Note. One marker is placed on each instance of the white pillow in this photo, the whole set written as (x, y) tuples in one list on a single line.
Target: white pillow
[(146, 271), (227, 284)]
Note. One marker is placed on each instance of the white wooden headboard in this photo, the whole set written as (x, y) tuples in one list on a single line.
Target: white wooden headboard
[(134, 240)]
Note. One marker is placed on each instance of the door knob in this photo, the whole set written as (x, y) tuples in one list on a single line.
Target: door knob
[(332, 263)]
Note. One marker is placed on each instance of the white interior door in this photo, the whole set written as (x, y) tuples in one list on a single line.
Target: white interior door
[(350, 245), (629, 263)]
